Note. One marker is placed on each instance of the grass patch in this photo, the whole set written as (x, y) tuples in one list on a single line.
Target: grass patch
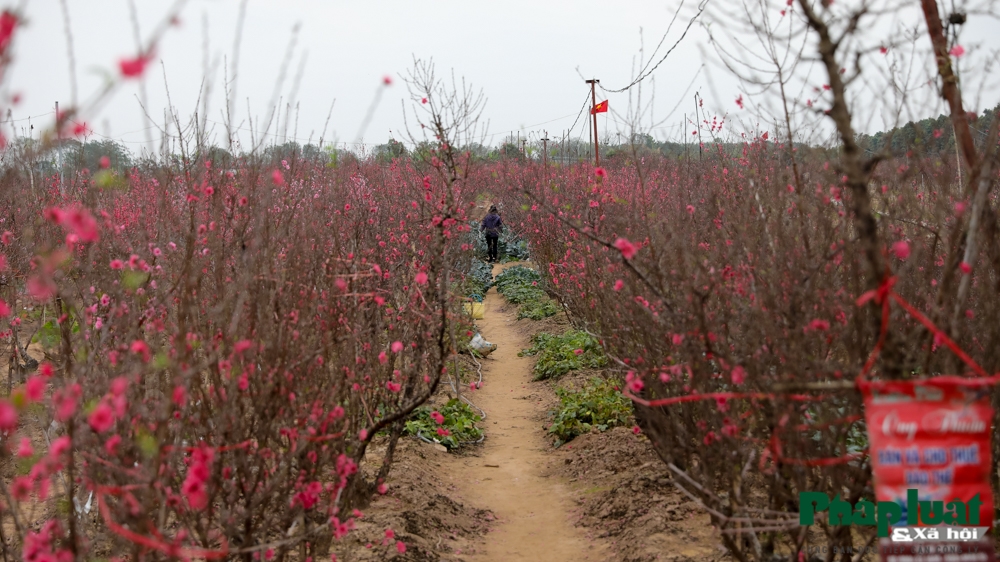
[(558, 355), (23, 465), (598, 405), (519, 285), (459, 426)]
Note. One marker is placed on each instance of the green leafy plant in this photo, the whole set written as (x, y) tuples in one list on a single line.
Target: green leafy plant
[(538, 309), (510, 246), (519, 285), (50, 333), (599, 405), (558, 355), (515, 277), (459, 423), (478, 280), (855, 439)]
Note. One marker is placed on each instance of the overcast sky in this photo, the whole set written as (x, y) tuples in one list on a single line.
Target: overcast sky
[(525, 56)]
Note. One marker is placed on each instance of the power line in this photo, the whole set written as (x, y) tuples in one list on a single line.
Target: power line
[(582, 108), (646, 73), (113, 139), (525, 127), (28, 118), (547, 122), (686, 90)]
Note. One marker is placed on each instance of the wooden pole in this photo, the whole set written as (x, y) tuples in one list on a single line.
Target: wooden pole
[(697, 123), (593, 106), (545, 153), (687, 155), (62, 189)]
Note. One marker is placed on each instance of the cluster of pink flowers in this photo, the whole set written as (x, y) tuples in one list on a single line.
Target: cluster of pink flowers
[(195, 486)]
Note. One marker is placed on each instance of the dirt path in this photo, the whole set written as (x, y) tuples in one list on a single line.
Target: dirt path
[(509, 477)]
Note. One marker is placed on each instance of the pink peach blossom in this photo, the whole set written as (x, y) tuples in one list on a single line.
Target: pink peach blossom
[(627, 248)]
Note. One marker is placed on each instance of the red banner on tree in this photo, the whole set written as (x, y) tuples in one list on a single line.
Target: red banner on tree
[(929, 442)]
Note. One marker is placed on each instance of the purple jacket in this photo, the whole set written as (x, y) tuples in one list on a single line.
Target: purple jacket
[(492, 225)]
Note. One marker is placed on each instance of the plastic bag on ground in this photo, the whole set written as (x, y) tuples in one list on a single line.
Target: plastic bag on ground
[(481, 346)]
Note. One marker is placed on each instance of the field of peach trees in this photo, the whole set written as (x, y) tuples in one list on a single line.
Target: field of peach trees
[(217, 338), (221, 345)]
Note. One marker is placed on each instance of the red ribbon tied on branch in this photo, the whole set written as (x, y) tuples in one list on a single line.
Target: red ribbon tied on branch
[(882, 296)]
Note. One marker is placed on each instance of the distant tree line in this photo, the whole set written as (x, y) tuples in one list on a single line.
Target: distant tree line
[(930, 137)]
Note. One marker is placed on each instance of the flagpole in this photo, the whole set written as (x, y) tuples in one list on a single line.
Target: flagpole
[(593, 107)]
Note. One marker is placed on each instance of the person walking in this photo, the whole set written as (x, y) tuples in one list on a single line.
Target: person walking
[(492, 226)]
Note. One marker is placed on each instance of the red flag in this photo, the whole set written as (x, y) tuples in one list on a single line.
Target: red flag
[(600, 108)]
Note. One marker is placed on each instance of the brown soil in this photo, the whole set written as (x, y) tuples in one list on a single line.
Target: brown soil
[(421, 508), (512, 473), (626, 496), (601, 497), (502, 500)]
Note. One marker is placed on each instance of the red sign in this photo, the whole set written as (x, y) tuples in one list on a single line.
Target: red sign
[(933, 436)]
